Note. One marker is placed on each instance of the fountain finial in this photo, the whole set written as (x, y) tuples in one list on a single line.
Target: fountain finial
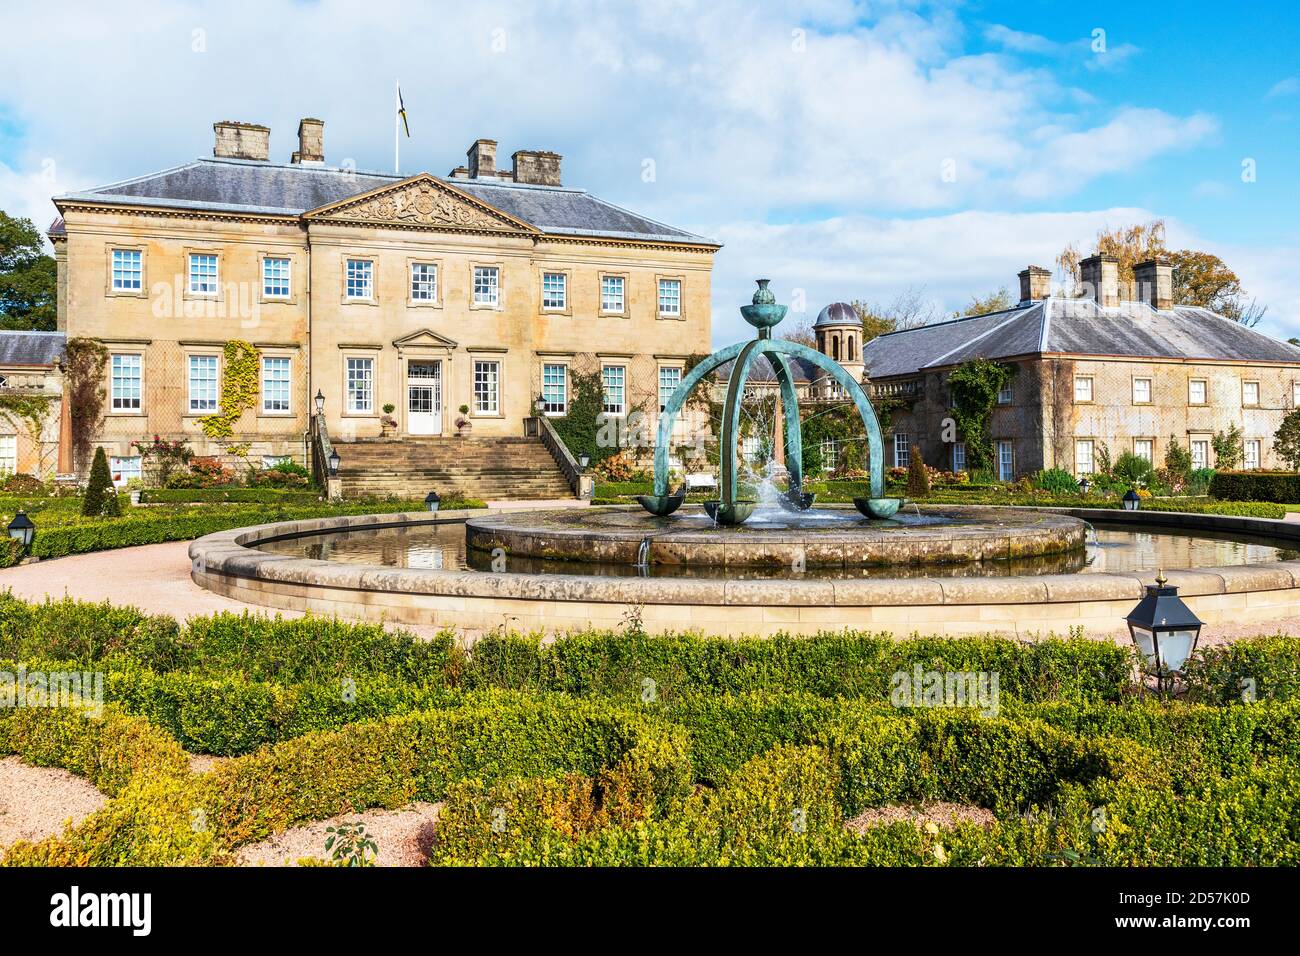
[(764, 314)]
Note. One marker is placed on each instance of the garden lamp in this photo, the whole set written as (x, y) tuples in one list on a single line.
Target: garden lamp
[(334, 462), (584, 460), (1164, 630), (1084, 484), (431, 501), (22, 529), (1131, 500), (320, 402), (539, 403)]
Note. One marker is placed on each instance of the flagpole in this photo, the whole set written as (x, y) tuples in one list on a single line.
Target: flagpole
[(397, 132)]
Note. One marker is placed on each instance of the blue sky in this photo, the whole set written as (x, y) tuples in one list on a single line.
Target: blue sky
[(846, 150)]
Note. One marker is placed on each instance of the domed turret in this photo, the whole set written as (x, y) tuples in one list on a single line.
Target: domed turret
[(839, 336)]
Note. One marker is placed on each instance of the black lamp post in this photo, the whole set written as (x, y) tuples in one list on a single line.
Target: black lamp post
[(1131, 500), (320, 402), (1084, 484), (22, 529), (431, 501), (539, 403), (1165, 632), (334, 462)]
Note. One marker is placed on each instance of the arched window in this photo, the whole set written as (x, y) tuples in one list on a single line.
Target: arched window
[(850, 348), (835, 347)]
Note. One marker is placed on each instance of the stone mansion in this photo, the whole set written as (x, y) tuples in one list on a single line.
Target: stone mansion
[(481, 290)]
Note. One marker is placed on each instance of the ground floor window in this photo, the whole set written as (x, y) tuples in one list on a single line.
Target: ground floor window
[(1252, 453), (361, 385), (8, 454), (203, 383), (555, 388), (902, 450), (487, 387), (275, 385), (124, 469), (124, 383), (614, 380), (270, 461), (1200, 453), (1006, 461), (670, 377), (959, 456), (1083, 458), (750, 447), (1145, 448), (830, 454)]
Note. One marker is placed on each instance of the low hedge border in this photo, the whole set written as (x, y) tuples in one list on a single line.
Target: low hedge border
[(1280, 487)]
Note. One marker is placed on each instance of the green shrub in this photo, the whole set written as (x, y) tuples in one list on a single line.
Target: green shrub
[(1058, 481), (918, 477), (1254, 668), (101, 496), (1133, 470)]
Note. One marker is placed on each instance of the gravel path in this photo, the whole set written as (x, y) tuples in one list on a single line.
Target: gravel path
[(404, 837), (36, 802)]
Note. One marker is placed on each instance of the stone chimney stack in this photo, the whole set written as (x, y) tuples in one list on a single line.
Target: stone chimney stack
[(242, 140), (1155, 283), (1035, 284), (537, 166), (483, 159), (311, 141), (1100, 276)]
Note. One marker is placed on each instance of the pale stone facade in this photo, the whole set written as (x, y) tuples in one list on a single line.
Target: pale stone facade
[(421, 292), (31, 404)]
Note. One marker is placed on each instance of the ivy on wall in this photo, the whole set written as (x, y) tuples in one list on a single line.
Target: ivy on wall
[(32, 409), (239, 390), (974, 388), (84, 361)]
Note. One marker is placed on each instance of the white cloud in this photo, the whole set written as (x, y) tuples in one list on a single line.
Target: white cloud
[(1289, 86)]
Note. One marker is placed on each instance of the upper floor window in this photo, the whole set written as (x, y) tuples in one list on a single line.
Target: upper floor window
[(1196, 391), (611, 294), (203, 273), (124, 383), (614, 380), (1250, 393), (1004, 393), (275, 277), (360, 279), (275, 384), (670, 296), (670, 376), (1141, 391), (487, 286), (1295, 394), (128, 270), (424, 282), (203, 383), (555, 388), (555, 290), (1083, 388)]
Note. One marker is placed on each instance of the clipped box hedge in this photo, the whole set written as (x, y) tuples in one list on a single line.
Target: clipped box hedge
[(1282, 487)]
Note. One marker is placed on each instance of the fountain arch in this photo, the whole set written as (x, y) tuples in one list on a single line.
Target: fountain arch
[(764, 314)]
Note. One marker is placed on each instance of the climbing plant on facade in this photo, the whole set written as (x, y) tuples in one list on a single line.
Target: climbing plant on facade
[(974, 388), (84, 361), (239, 389)]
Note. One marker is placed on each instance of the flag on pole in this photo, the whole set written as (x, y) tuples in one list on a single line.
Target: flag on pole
[(401, 111)]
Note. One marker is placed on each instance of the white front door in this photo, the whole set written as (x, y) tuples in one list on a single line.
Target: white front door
[(424, 398)]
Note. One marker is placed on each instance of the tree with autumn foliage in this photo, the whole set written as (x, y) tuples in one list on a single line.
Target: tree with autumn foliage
[(1200, 278)]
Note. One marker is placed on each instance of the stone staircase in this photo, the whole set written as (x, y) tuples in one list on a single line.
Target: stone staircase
[(486, 468)]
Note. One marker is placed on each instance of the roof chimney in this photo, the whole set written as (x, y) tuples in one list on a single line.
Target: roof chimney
[(1155, 283), (311, 141), (537, 166), (482, 158), (1035, 284), (242, 140), (1100, 277)]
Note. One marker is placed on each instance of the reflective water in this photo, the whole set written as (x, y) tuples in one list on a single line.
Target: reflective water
[(1116, 549)]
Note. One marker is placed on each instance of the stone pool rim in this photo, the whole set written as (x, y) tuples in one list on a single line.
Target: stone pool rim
[(227, 563)]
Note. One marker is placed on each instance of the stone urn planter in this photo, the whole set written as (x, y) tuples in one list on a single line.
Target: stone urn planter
[(135, 498), (464, 427)]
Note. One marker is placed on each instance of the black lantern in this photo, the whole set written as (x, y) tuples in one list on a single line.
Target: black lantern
[(320, 402), (1131, 500), (1084, 484), (584, 460), (539, 403), (22, 529), (431, 501), (1165, 631), (334, 462)]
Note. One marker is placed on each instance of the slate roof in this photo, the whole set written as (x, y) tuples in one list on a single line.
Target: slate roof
[(837, 313), (1074, 327), (240, 185), (762, 370), (31, 348)]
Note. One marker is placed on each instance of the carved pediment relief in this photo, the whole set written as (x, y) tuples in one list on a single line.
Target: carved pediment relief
[(421, 201), (424, 338)]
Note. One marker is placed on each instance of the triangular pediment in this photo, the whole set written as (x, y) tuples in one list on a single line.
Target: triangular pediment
[(426, 338), (420, 202)]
